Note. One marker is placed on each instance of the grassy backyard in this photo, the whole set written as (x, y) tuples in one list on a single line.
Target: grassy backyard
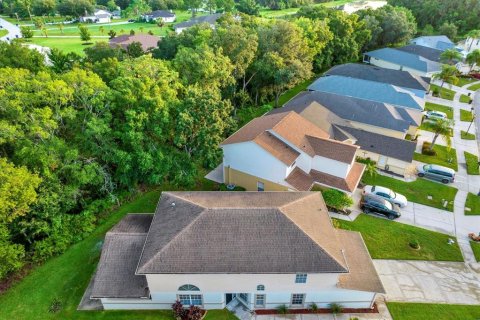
[(443, 157), (467, 136), (96, 29), (466, 115), (417, 191), (66, 44), (463, 81), (474, 87), (473, 202), (476, 249), (427, 311), (439, 107), (387, 239), (268, 13), (472, 163), (289, 94), (464, 98), (444, 93)]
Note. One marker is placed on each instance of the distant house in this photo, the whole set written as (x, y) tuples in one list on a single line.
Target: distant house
[(362, 5), (425, 52), (471, 44), (369, 90), (435, 42), (402, 60), (378, 129), (217, 249), (284, 151), (402, 79), (147, 41), (209, 19), (99, 16), (160, 15)]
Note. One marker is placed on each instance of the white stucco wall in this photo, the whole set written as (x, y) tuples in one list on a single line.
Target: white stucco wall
[(330, 166), (250, 158), (390, 65)]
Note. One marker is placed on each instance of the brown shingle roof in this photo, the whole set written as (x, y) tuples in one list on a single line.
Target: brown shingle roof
[(277, 148), (340, 151), (300, 180), (192, 233), (146, 40), (349, 184)]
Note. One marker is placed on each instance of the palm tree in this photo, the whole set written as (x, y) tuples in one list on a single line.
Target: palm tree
[(335, 308), (60, 27), (45, 32), (448, 74), (282, 309), (450, 56), (314, 309), (473, 34), (473, 58), (442, 127)]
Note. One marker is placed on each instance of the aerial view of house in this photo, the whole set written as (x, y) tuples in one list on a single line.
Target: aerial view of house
[(147, 41), (209, 19), (435, 42), (160, 15)]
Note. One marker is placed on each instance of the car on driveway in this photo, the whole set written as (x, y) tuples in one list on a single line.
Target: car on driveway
[(435, 115), (378, 205), (386, 193), (436, 172)]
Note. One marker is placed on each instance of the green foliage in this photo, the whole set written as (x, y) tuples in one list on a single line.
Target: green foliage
[(27, 32), (12, 254), (472, 202), (336, 199), (472, 163), (414, 244), (85, 35), (449, 29), (370, 166), (55, 306), (335, 308), (135, 50), (282, 309), (17, 56)]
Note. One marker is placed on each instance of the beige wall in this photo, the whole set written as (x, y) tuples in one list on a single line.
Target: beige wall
[(379, 130), (249, 182), (395, 165)]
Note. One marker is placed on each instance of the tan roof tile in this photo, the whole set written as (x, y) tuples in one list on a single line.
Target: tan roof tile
[(349, 184), (277, 148), (336, 150)]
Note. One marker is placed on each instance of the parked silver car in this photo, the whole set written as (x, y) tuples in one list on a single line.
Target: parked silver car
[(387, 194), (436, 172), (435, 115)]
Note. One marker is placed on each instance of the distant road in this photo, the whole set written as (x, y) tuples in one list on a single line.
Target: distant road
[(13, 30)]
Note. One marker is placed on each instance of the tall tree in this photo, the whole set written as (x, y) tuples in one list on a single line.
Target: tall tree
[(442, 127), (451, 56), (448, 74), (473, 58)]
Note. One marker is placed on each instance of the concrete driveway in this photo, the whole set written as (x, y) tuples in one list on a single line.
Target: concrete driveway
[(13, 30), (429, 281), (428, 217)]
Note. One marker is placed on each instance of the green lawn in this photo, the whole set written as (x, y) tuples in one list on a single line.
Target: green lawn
[(245, 115), (476, 249), (268, 13), (289, 94), (65, 44), (474, 87), (472, 163), (94, 28), (473, 202), (443, 157), (444, 92), (439, 107), (427, 125), (464, 98), (467, 136), (463, 81), (466, 115), (3, 32), (220, 315), (417, 191), (428, 311), (387, 239)]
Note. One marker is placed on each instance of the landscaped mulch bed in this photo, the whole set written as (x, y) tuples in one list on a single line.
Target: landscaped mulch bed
[(320, 311)]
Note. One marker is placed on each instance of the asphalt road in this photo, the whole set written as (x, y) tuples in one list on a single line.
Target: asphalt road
[(13, 30)]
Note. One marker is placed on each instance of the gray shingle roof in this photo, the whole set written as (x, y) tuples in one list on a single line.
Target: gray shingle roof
[(426, 52), (437, 42), (384, 145), (210, 19), (406, 59), (354, 109), (368, 90), (398, 78), (115, 276), (160, 14), (219, 232)]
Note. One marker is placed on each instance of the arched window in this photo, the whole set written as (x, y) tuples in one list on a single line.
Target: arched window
[(188, 287), (260, 287)]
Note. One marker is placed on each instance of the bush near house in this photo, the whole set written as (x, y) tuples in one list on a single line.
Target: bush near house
[(466, 115), (335, 199), (472, 202), (472, 163), (442, 156), (467, 136)]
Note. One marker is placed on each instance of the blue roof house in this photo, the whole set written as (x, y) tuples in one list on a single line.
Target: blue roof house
[(401, 60), (368, 90), (435, 42)]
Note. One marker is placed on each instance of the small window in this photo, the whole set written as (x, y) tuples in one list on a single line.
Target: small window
[(260, 186), (188, 287), (297, 299), (260, 287), (190, 299), (301, 278), (259, 300)]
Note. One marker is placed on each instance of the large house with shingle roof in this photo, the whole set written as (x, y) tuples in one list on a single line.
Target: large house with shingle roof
[(259, 249), (284, 151), (435, 42)]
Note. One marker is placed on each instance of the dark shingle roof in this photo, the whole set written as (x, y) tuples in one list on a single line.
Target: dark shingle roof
[(398, 78), (192, 233), (160, 14), (115, 276), (354, 109), (406, 59), (437, 42), (210, 19), (426, 52), (388, 146)]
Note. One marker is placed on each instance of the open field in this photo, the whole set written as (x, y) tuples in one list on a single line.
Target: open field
[(65, 44), (268, 13)]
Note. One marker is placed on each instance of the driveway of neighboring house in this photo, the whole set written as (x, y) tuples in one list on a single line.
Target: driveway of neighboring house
[(13, 30)]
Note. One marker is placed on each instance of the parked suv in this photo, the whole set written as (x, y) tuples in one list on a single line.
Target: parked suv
[(378, 205), (436, 172)]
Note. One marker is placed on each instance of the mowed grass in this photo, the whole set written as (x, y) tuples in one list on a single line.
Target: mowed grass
[(3, 32), (95, 29), (428, 311), (289, 94), (472, 163), (439, 107), (467, 136), (472, 202), (444, 92), (443, 157), (387, 239), (476, 249), (466, 115), (463, 81), (65, 44), (417, 191), (464, 98), (269, 13), (475, 87)]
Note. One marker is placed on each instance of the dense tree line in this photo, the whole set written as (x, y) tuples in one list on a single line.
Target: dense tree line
[(435, 14)]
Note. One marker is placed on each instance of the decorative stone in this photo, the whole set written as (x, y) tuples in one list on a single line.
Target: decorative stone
[(468, 209), (429, 197)]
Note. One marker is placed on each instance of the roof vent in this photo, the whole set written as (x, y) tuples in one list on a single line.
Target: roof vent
[(173, 204)]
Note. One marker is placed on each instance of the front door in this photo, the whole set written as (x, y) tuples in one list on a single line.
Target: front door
[(228, 298)]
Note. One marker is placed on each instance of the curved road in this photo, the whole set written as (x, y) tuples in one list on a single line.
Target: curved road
[(13, 30)]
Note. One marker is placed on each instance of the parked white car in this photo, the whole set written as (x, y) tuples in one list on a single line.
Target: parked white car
[(435, 115), (387, 194)]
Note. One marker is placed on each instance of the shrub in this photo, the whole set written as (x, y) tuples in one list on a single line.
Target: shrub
[(336, 199), (435, 92), (282, 309), (178, 310), (414, 244), (194, 313), (426, 149), (314, 307), (335, 307), (55, 306)]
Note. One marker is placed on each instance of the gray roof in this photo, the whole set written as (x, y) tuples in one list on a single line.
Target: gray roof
[(368, 90), (437, 42), (388, 146), (210, 19), (398, 78), (220, 232), (406, 59), (426, 52), (353, 109), (160, 14), (115, 276)]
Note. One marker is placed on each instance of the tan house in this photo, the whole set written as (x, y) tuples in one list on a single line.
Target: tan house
[(284, 151), (213, 249)]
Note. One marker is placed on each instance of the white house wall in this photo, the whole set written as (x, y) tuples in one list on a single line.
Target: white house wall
[(250, 158), (330, 166)]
